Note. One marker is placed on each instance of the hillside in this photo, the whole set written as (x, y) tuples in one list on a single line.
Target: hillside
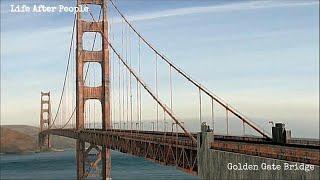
[(14, 142), (22, 138)]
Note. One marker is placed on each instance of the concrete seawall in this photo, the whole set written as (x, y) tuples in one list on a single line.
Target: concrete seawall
[(215, 164)]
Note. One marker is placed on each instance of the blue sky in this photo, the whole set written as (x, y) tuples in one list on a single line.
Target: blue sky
[(260, 56)]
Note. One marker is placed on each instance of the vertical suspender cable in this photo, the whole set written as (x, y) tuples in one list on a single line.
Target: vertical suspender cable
[(164, 123), (139, 59), (200, 115), (212, 114), (127, 81), (130, 81), (227, 121), (170, 82), (243, 128), (113, 90), (120, 71), (157, 93), (123, 93), (119, 92), (137, 104)]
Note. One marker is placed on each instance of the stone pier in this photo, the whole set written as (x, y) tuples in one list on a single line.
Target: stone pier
[(220, 165)]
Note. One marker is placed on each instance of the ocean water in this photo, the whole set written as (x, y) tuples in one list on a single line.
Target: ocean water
[(62, 165)]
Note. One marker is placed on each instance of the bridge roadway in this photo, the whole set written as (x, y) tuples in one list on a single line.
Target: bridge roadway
[(176, 149)]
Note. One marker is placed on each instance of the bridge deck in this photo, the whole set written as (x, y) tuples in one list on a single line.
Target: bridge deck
[(179, 150)]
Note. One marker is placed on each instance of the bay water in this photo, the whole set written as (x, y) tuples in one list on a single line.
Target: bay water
[(62, 165)]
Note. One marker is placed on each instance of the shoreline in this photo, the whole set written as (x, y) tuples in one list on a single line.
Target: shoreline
[(33, 152)]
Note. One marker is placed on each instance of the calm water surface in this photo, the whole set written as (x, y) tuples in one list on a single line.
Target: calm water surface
[(61, 165)]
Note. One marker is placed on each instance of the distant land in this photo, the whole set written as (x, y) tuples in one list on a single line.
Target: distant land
[(24, 139)]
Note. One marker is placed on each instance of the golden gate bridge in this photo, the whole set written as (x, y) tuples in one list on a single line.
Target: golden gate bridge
[(120, 93)]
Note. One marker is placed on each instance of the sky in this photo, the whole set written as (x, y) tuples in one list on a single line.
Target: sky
[(260, 56)]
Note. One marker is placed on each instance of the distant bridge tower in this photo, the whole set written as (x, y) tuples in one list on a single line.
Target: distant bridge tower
[(45, 121), (100, 93)]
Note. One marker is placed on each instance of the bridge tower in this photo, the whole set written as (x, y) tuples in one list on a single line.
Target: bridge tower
[(44, 140), (100, 93)]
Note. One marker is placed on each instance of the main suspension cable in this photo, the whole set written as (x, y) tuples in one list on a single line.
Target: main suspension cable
[(66, 73)]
